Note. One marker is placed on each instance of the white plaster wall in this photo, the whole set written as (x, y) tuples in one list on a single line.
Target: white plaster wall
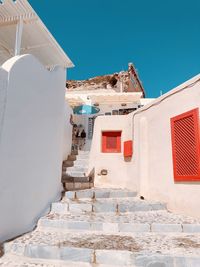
[(114, 163), (155, 166), (150, 171), (31, 145)]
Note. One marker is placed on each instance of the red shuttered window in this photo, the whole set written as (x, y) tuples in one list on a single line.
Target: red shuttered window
[(111, 142), (186, 146)]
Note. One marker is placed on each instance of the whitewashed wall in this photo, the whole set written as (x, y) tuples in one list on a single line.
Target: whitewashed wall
[(150, 171), (154, 151), (31, 143), (114, 163)]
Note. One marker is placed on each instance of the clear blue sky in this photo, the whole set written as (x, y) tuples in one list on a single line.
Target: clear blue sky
[(162, 38)]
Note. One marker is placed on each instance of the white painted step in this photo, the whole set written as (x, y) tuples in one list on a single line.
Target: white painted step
[(12, 260), (142, 250), (75, 173), (83, 156), (152, 221), (81, 162), (107, 205), (112, 227), (77, 168), (93, 228), (100, 193), (82, 152)]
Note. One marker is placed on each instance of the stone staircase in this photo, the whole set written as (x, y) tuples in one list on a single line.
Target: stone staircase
[(107, 227), (74, 172)]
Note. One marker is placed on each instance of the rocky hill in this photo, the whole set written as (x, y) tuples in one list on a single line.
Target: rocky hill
[(124, 81), (110, 81)]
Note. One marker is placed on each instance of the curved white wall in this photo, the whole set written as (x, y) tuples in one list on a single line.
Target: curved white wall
[(31, 144)]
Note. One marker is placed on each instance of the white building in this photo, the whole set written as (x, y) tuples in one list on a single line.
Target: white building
[(154, 150), (89, 104)]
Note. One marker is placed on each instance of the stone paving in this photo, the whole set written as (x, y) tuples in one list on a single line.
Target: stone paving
[(135, 242), (88, 228), (160, 216)]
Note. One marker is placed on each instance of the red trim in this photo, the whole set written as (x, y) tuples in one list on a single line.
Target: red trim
[(195, 151)]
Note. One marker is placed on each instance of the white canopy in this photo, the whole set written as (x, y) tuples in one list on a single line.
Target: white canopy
[(22, 32), (76, 99)]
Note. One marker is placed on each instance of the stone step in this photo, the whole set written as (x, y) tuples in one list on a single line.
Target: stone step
[(107, 205), (75, 173), (67, 178), (82, 156), (77, 168), (74, 152), (100, 193), (152, 221), (85, 167), (12, 260), (70, 186), (82, 152), (141, 250), (72, 157), (68, 163), (81, 162)]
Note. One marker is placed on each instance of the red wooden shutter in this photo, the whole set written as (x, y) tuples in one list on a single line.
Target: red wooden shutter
[(186, 146), (128, 148), (111, 142)]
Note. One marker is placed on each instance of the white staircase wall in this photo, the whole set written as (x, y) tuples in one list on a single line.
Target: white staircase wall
[(31, 143)]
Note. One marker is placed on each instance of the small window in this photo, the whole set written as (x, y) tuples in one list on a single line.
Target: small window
[(111, 142)]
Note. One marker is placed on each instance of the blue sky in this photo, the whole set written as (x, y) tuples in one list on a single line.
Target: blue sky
[(162, 38)]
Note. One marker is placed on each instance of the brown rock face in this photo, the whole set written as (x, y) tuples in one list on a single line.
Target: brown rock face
[(127, 81)]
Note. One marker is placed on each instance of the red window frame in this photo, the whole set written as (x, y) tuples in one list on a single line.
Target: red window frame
[(105, 136), (194, 148)]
